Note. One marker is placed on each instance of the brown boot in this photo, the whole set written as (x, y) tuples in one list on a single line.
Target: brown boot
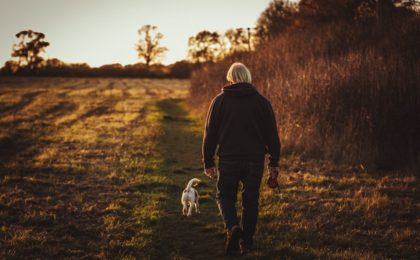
[(232, 240)]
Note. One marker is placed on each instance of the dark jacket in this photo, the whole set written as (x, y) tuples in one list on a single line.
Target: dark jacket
[(241, 121)]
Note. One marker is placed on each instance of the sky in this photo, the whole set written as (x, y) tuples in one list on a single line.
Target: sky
[(105, 31)]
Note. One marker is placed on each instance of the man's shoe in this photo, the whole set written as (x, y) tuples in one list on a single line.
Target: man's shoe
[(245, 248), (232, 240)]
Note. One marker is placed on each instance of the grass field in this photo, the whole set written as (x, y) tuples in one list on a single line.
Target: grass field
[(94, 168)]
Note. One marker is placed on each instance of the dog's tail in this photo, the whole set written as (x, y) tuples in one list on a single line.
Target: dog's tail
[(192, 182)]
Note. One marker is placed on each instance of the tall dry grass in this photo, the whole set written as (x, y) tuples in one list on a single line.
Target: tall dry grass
[(348, 92)]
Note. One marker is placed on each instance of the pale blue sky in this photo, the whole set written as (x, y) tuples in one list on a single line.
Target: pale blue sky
[(105, 31)]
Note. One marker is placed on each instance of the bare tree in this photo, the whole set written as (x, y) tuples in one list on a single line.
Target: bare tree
[(386, 11), (28, 49), (148, 47), (275, 19), (205, 46), (239, 39)]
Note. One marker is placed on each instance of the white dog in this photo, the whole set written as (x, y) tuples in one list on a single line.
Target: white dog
[(189, 198)]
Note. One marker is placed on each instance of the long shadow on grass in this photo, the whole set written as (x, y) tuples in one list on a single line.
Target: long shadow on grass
[(179, 146)]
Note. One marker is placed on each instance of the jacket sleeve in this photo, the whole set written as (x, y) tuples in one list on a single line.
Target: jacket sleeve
[(210, 135), (272, 137)]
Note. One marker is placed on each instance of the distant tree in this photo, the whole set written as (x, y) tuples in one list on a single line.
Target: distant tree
[(110, 67), (330, 10), (111, 70), (81, 66), (53, 67), (205, 46), (54, 63), (275, 19), (9, 68), (319, 11), (148, 47), (239, 39), (28, 49), (181, 69)]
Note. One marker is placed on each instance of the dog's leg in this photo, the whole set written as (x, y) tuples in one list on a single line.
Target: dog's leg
[(190, 209), (184, 208), (197, 210), (196, 197)]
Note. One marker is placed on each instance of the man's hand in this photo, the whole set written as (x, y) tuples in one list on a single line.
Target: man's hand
[(273, 172), (211, 172), (272, 180)]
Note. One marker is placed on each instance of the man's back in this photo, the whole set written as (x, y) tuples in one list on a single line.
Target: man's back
[(242, 123)]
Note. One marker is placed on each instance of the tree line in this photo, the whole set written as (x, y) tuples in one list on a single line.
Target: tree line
[(26, 60), (205, 47)]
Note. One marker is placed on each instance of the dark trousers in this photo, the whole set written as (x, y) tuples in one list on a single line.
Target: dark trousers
[(249, 174)]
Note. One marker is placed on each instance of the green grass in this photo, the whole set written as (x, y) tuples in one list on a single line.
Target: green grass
[(181, 237)]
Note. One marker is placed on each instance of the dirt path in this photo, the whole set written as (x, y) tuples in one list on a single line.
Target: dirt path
[(179, 237)]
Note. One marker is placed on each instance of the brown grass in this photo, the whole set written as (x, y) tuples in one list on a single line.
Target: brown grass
[(347, 92), (338, 211), (95, 168), (74, 154)]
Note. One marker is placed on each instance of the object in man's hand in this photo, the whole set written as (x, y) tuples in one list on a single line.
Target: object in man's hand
[(272, 183), (273, 171), (211, 172)]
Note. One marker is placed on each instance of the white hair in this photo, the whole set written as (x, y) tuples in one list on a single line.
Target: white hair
[(238, 72)]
